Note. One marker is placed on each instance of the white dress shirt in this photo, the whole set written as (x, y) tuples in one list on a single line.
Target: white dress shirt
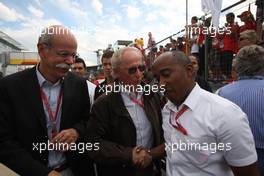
[(218, 136), (140, 120), (91, 89), (52, 92)]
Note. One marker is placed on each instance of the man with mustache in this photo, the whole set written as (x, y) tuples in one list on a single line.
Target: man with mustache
[(205, 135), (43, 107)]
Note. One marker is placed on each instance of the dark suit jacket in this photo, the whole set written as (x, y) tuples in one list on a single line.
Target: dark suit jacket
[(100, 89), (22, 122), (111, 125)]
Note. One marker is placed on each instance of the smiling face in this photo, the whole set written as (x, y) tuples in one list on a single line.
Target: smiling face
[(176, 75), (57, 56)]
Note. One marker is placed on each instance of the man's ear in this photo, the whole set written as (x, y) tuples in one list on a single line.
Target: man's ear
[(41, 50), (190, 70)]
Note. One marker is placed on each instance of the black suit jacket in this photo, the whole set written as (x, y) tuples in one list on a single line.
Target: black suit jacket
[(23, 122), (112, 126)]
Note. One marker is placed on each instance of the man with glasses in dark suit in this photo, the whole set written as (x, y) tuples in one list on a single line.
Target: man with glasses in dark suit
[(43, 107)]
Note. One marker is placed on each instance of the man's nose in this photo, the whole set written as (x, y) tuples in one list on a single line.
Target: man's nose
[(70, 59)]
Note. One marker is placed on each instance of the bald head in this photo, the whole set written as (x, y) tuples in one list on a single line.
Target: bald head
[(175, 71), (50, 33), (174, 57), (57, 48)]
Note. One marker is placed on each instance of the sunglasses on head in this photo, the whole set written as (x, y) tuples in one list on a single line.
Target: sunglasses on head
[(133, 70)]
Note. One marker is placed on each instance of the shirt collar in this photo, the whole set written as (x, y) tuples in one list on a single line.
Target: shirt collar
[(42, 80), (126, 92), (191, 101)]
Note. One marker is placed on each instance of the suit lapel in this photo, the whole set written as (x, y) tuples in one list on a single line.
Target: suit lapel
[(120, 107), (34, 89), (149, 106), (68, 91)]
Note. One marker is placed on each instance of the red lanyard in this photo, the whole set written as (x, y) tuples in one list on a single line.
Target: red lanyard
[(139, 103), (53, 117), (179, 127)]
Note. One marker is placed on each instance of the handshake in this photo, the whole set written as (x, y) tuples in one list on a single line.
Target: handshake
[(141, 158)]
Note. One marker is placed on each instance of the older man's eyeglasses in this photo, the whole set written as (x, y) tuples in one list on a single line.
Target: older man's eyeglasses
[(66, 54), (133, 70), (63, 54)]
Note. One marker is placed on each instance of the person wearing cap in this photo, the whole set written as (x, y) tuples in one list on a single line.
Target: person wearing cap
[(249, 21)]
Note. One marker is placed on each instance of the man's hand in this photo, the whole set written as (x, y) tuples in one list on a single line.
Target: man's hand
[(252, 170), (54, 173), (67, 136), (141, 158)]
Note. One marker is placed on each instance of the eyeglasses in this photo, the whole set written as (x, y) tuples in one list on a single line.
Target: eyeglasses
[(66, 54), (63, 54), (133, 70)]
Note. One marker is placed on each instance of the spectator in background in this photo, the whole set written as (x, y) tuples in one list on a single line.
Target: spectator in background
[(180, 45), (199, 79), (230, 45), (79, 67), (215, 56), (139, 44), (247, 37), (249, 21), (167, 47), (248, 92), (151, 40), (161, 50), (173, 45), (193, 40), (195, 116), (107, 69), (204, 37)]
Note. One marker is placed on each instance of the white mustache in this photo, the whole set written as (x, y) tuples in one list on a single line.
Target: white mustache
[(63, 65)]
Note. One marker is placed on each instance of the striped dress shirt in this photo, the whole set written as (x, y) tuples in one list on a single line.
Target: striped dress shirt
[(248, 94)]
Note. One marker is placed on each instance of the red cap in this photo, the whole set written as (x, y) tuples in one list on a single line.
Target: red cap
[(244, 14)]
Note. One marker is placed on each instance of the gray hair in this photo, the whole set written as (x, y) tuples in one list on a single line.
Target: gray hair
[(118, 56), (250, 35), (250, 61), (48, 33)]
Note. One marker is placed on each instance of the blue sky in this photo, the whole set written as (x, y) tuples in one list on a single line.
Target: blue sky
[(97, 23)]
